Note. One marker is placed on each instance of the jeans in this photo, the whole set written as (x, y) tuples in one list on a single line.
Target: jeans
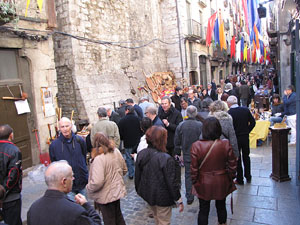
[(129, 161), (204, 207), (12, 212), (188, 182), (244, 102), (71, 195), (274, 119)]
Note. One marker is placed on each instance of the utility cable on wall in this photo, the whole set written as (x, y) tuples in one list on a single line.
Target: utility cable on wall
[(23, 33)]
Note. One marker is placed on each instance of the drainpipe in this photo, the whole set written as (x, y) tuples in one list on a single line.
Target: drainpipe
[(297, 48), (179, 39)]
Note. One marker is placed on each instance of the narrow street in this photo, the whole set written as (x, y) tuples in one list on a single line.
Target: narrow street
[(264, 201)]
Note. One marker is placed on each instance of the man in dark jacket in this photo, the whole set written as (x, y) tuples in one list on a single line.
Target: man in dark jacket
[(10, 176), (138, 110), (193, 100), (54, 207), (176, 98), (210, 92), (244, 93), (113, 116), (151, 113), (121, 109), (243, 123), (72, 148), (171, 118), (187, 132), (130, 134)]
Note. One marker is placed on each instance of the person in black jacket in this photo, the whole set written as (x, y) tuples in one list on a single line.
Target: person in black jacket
[(176, 98), (171, 117), (155, 178), (130, 134), (55, 207), (243, 123), (113, 116), (10, 176)]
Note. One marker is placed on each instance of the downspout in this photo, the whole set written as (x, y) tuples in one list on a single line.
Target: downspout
[(179, 39)]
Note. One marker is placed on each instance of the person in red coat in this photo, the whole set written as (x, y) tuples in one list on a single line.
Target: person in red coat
[(213, 168)]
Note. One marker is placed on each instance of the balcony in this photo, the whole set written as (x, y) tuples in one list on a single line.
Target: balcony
[(202, 3), (195, 30)]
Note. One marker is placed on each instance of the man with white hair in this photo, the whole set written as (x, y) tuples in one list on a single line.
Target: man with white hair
[(243, 123), (109, 128), (144, 104), (72, 148), (187, 132), (113, 116), (54, 207), (151, 113)]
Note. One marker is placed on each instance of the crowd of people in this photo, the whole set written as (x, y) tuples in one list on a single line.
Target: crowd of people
[(204, 130)]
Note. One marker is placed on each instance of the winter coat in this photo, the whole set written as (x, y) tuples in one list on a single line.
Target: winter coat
[(176, 100), (55, 208), (74, 151), (155, 179), (109, 128), (196, 103), (243, 121), (130, 131), (244, 91), (227, 129), (157, 122), (115, 117), (106, 182), (10, 170), (174, 118), (214, 181), (187, 132)]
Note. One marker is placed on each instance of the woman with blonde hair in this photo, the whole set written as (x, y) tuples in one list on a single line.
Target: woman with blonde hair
[(218, 110), (106, 185)]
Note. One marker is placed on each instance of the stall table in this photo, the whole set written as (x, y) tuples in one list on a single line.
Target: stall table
[(260, 131)]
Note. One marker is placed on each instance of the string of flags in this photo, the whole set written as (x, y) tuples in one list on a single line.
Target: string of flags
[(250, 50), (39, 3)]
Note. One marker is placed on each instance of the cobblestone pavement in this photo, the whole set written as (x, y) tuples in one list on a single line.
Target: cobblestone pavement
[(264, 201)]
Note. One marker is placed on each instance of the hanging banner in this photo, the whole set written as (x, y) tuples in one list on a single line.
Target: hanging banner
[(40, 4), (27, 5)]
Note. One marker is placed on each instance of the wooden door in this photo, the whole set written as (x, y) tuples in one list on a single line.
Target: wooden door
[(10, 116)]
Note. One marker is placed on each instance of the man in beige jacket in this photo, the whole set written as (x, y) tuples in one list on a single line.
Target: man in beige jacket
[(109, 128)]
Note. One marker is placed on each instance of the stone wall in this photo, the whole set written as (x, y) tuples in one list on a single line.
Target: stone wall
[(92, 74)]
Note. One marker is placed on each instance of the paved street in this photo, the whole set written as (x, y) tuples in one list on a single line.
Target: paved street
[(264, 201)]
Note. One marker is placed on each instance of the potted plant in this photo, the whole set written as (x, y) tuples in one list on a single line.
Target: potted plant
[(8, 13)]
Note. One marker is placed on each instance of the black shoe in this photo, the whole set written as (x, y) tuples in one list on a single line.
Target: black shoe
[(249, 180), (239, 182), (130, 178), (189, 202)]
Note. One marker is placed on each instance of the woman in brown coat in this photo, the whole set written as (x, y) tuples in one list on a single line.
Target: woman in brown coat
[(106, 185), (213, 169)]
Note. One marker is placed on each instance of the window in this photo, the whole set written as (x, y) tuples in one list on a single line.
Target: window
[(8, 65)]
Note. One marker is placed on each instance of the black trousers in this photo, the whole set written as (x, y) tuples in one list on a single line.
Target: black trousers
[(204, 207), (111, 213), (12, 212), (243, 145)]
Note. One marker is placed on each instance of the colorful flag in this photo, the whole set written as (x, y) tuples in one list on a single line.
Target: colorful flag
[(27, 5), (245, 52), (210, 27), (40, 4), (216, 32), (232, 47), (242, 48), (222, 36), (238, 52), (244, 3)]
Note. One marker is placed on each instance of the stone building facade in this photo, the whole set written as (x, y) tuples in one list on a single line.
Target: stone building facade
[(27, 64), (90, 74)]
